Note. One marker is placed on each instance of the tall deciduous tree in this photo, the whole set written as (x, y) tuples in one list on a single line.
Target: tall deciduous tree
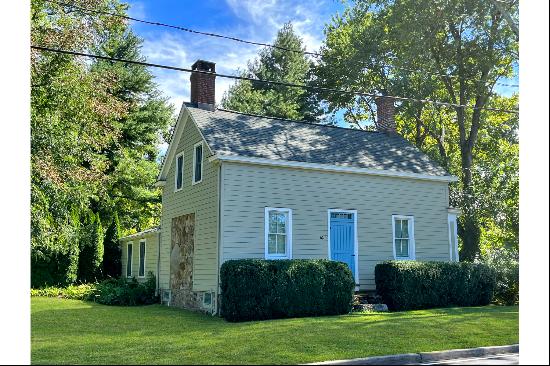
[(453, 51), (277, 65)]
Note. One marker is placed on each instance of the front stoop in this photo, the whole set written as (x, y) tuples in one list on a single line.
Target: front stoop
[(425, 357)]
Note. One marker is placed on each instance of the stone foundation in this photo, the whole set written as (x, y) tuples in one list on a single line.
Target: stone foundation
[(184, 298)]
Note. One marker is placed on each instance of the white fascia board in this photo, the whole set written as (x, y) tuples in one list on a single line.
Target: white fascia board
[(183, 117), (178, 130), (141, 234), (333, 168)]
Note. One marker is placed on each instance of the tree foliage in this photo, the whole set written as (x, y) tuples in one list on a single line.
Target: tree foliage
[(277, 65), (95, 128), (112, 265), (90, 259), (451, 51)]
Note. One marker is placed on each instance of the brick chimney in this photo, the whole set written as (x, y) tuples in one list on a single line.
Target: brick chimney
[(203, 86), (385, 115)]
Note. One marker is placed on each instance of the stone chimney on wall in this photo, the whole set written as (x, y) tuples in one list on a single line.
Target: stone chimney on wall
[(203, 85), (385, 115)]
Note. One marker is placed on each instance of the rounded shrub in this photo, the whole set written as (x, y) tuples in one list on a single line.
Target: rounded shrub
[(406, 285), (254, 289), (505, 263)]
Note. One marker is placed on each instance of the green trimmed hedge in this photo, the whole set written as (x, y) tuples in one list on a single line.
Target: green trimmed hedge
[(407, 285), (254, 289)]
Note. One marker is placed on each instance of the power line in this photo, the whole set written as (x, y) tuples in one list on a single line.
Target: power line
[(182, 28), (193, 31), (272, 82)]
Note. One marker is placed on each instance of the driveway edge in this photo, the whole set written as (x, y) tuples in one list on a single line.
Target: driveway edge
[(416, 358)]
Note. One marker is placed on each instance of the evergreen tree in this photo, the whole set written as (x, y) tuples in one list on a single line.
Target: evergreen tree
[(112, 264), (95, 132), (278, 65), (90, 261)]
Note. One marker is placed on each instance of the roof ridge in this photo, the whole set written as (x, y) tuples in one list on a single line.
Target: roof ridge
[(296, 121)]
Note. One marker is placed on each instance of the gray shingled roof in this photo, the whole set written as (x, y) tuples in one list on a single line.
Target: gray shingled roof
[(230, 133)]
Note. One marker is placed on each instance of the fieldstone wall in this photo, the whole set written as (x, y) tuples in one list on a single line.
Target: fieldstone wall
[(181, 263)]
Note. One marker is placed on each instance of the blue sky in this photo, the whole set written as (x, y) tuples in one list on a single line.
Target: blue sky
[(247, 19), (256, 20)]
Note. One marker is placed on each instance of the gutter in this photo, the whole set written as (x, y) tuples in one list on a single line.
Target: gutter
[(157, 291), (218, 259), (332, 168)]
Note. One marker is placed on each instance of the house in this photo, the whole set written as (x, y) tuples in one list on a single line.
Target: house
[(242, 186)]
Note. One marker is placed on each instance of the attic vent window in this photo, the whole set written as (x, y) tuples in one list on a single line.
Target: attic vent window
[(197, 163), (179, 172)]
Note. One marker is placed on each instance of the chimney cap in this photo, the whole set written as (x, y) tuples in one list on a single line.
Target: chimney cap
[(204, 65)]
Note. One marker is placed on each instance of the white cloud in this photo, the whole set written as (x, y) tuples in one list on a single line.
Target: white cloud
[(258, 21), (137, 10)]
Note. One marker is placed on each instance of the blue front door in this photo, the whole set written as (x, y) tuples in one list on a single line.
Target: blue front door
[(342, 238)]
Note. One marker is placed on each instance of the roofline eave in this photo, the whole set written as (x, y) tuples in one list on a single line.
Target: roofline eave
[(332, 168)]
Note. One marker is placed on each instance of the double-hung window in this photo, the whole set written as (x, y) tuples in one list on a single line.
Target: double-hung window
[(141, 271), (129, 253), (278, 233), (179, 172), (197, 162), (403, 237)]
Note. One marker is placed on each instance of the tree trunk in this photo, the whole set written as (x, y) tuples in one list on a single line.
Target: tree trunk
[(469, 227)]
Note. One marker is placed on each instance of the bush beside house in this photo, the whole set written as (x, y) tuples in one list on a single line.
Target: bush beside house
[(505, 264), (254, 289), (109, 292), (407, 285)]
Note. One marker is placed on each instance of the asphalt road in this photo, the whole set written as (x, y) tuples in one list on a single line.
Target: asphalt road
[(505, 359)]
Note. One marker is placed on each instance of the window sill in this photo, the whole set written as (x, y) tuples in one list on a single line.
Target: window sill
[(277, 257)]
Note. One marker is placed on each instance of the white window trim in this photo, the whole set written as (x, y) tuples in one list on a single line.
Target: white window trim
[(144, 257), (176, 189), (356, 241), (131, 258), (412, 247), (452, 218), (194, 162), (288, 255)]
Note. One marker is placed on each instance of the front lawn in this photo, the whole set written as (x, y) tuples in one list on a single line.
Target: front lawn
[(71, 331)]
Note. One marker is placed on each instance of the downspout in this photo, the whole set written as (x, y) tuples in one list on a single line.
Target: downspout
[(157, 291), (217, 310)]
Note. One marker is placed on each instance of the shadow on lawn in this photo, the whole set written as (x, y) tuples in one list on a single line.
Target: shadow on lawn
[(124, 319)]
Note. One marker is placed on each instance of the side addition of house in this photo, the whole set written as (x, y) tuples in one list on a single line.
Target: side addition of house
[(244, 186)]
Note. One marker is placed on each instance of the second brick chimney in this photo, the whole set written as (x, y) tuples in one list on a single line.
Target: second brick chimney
[(385, 115), (203, 86)]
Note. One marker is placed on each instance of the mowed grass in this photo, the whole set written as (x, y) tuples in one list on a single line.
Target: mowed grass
[(77, 332)]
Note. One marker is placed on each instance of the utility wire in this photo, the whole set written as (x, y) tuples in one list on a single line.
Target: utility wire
[(181, 28), (272, 82), (317, 54)]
